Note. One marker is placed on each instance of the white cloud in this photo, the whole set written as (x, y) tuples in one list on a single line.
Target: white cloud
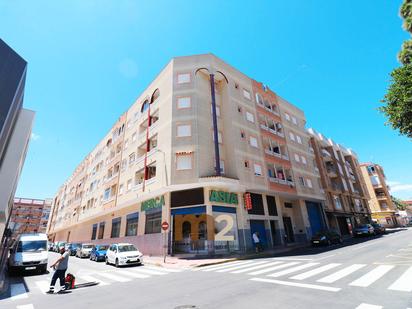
[(34, 137), (401, 187)]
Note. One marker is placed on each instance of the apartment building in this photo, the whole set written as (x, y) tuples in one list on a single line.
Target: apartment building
[(340, 175), (205, 148), (29, 216), (380, 202), (15, 130)]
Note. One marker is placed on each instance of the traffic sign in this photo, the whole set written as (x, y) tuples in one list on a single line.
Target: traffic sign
[(165, 226)]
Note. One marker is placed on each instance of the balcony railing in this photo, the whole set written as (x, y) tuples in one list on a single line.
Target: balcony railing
[(269, 109), (281, 181), (266, 128)]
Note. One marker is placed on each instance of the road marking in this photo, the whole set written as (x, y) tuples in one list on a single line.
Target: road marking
[(404, 282), (228, 265), (291, 259), (18, 291), (239, 266), (372, 276), (266, 270), (28, 306), (114, 277), (88, 278), (43, 285), (292, 270), (147, 271), (169, 270), (204, 268), (133, 274), (255, 267), (314, 272), (341, 273), (325, 257), (296, 284), (368, 306)]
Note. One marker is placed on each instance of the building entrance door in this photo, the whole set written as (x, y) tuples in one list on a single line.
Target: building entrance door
[(259, 226), (287, 222)]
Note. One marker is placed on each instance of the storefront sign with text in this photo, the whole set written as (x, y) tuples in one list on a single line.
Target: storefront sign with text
[(156, 202), (223, 197)]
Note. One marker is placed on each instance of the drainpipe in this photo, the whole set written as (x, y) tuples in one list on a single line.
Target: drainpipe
[(215, 129)]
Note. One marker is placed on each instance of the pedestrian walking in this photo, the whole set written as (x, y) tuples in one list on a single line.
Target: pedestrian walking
[(60, 270), (256, 242)]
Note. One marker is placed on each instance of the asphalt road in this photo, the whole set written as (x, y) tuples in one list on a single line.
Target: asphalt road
[(368, 273)]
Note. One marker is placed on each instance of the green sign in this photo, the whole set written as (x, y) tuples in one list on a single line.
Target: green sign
[(223, 197), (153, 203)]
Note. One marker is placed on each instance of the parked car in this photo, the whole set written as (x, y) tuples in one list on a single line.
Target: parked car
[(98, 253), (59, 245), (73, 248), (123, 254), (29, 252), (364, 230), (378, 228), (326, 238), (83, 250)]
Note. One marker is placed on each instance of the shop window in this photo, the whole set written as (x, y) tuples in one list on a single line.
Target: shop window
[(101, 230), (257, 205), (94, 231), (186, 230), (132, 221), (153, 223), (202, 230), (115, 227), (271, 205)]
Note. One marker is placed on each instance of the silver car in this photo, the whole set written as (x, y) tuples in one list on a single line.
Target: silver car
[(84, 250)]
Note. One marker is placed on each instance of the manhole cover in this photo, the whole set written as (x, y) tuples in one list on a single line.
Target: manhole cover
[(186, 307)]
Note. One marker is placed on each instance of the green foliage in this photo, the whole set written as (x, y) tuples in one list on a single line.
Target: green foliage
[(398, 99), (406, 13), (405, 55), (399, 204), (398, 108)]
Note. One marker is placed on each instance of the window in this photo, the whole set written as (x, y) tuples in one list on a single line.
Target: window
[(132, 157), (246, 94), (183, 78), (257, 205), (271, 205), (250, 117), (303, 160), (115, 228), (246, 163), (242, 134), (292, 136), (302, 181), (337, 202), (121, 189), (258, 169), (101, 230), (298, 139), (184, 130), (183, 161), (253, 141), (297, 159), (106, 195), (287, 116), (217, 110), (132, 221), (309, 183), (94, 231), (239, 109), (129, 185), (134, 137), (184, 102), (153, 224), (294, 120)]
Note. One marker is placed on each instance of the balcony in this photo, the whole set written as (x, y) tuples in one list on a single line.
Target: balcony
[(332, 173), (142, 136), (268, 108), (271, 130), (281, 181), (326, 155)]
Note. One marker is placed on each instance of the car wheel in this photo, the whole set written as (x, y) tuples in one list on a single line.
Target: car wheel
[(117, 263), (107, 261)]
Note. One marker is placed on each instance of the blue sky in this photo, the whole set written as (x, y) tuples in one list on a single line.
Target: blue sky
[(89, 60)]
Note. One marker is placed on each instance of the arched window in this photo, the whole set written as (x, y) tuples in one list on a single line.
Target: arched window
[(186, 229), (202, 230), (155, 96), (145, 106)]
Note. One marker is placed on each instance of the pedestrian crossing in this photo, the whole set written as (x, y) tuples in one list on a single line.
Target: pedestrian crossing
[(318, 275)]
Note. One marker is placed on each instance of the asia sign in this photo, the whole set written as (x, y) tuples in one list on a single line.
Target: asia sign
[(156, 202), (223, 197)]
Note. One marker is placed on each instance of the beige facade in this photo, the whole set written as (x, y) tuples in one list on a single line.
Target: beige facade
[(343, 184), (157, 164), (380, 202)]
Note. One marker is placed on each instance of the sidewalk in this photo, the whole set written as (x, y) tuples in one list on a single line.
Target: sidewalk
[(190, 261)]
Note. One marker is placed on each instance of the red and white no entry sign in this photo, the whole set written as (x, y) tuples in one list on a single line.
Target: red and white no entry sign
[(165, 226)]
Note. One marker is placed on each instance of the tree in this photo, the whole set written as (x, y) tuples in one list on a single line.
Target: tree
[(399, 204), (398, 99)]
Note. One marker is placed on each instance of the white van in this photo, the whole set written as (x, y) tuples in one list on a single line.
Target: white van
[(29, 252)]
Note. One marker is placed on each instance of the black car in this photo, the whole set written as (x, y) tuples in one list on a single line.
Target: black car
[(378, 229), (73, 247), (326, 238)]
